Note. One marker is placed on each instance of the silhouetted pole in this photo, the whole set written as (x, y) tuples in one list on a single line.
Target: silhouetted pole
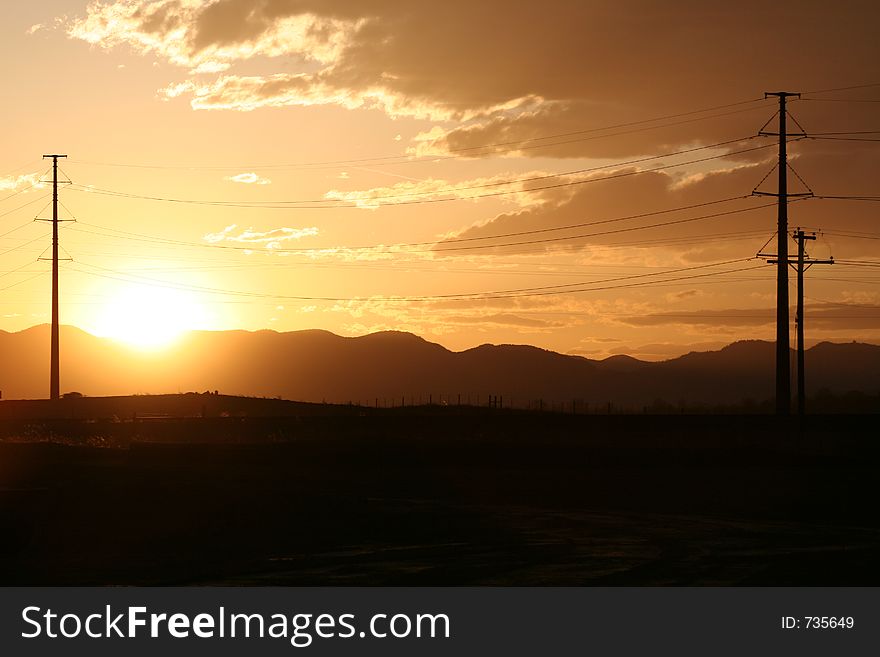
[(800, 264), (783, 362), (783, 347), (54, 375), (803, 265), (799, 321)]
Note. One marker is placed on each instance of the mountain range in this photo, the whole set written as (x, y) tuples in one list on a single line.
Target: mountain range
[(393, 367)]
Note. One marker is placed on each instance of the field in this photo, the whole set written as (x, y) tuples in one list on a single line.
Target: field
[(439, 496)]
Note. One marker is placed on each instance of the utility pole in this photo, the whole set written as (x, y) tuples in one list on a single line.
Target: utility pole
[(783, 355), (54, 377), (801, 236), (800, 265)]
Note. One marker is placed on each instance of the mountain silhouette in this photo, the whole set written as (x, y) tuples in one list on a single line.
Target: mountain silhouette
[(392, 367)]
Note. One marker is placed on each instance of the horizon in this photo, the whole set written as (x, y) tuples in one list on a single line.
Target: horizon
[(394, 368), (159, 350), (506, 192)]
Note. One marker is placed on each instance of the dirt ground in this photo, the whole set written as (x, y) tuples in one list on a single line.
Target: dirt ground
[(440, 499)]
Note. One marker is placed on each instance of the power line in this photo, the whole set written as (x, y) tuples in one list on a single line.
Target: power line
[(358, 202), (18, 269), (17, 228), (841, 100), (613, 134), (17, 192), (409, 265), (550, 291), (14, 248), (379, 248), (23, 166), (851, 132), (859, 139), (607, 232), (376, 161), (855, 86), (9, 287), (459, 239), (31, 202), (848, 198)]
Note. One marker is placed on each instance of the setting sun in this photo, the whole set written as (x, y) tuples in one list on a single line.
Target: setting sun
[(146, 317)]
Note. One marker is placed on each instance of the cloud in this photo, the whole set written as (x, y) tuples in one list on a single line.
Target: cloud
[(248, 93), (604, 209), (818, 317), (516, 69), (57, 23), (210, 66), (724, 318), (23, 181), (191, 33), (270, 239), (683, 294), (502, 319), (437, 188), (248, 179)]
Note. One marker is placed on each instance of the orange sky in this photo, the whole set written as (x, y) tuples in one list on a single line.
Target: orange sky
[(351, 164)]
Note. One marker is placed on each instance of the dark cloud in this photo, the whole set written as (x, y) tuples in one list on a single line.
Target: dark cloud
[(503, 319), (825, 167), (820, 317), (593, 63), (600, 203)]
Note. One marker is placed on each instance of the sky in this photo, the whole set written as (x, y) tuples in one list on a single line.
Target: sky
[(576, 175)]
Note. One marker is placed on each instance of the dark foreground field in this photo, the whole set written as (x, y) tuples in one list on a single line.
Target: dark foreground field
[(432, 496)]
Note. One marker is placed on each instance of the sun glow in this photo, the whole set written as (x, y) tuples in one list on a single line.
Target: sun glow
[(147, 317)]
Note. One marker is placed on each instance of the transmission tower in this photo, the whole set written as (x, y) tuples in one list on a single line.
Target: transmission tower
[(783, 356), (54, 375)]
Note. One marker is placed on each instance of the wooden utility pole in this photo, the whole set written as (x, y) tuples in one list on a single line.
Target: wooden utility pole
[(802, 266)]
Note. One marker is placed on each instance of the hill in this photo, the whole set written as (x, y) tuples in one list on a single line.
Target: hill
[(393, 367)]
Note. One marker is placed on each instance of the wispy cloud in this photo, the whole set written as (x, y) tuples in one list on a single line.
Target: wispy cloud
[(434, 188), (248, 178), (504, 319), (270, 239), (22, 181)]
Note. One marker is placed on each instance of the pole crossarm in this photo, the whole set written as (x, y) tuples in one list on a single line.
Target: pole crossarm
[(757, 193)]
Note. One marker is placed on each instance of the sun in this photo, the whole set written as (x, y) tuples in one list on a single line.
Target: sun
[(147, 317)]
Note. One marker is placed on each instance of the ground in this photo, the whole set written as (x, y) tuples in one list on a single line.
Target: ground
[(440, 496)]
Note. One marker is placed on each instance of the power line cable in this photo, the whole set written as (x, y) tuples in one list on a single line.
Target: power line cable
[(408, 159), (334, 203), (855, 86), (395, 248), (484, 296), (31, 202), (841, 100), (858, 139), (848, 198)]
